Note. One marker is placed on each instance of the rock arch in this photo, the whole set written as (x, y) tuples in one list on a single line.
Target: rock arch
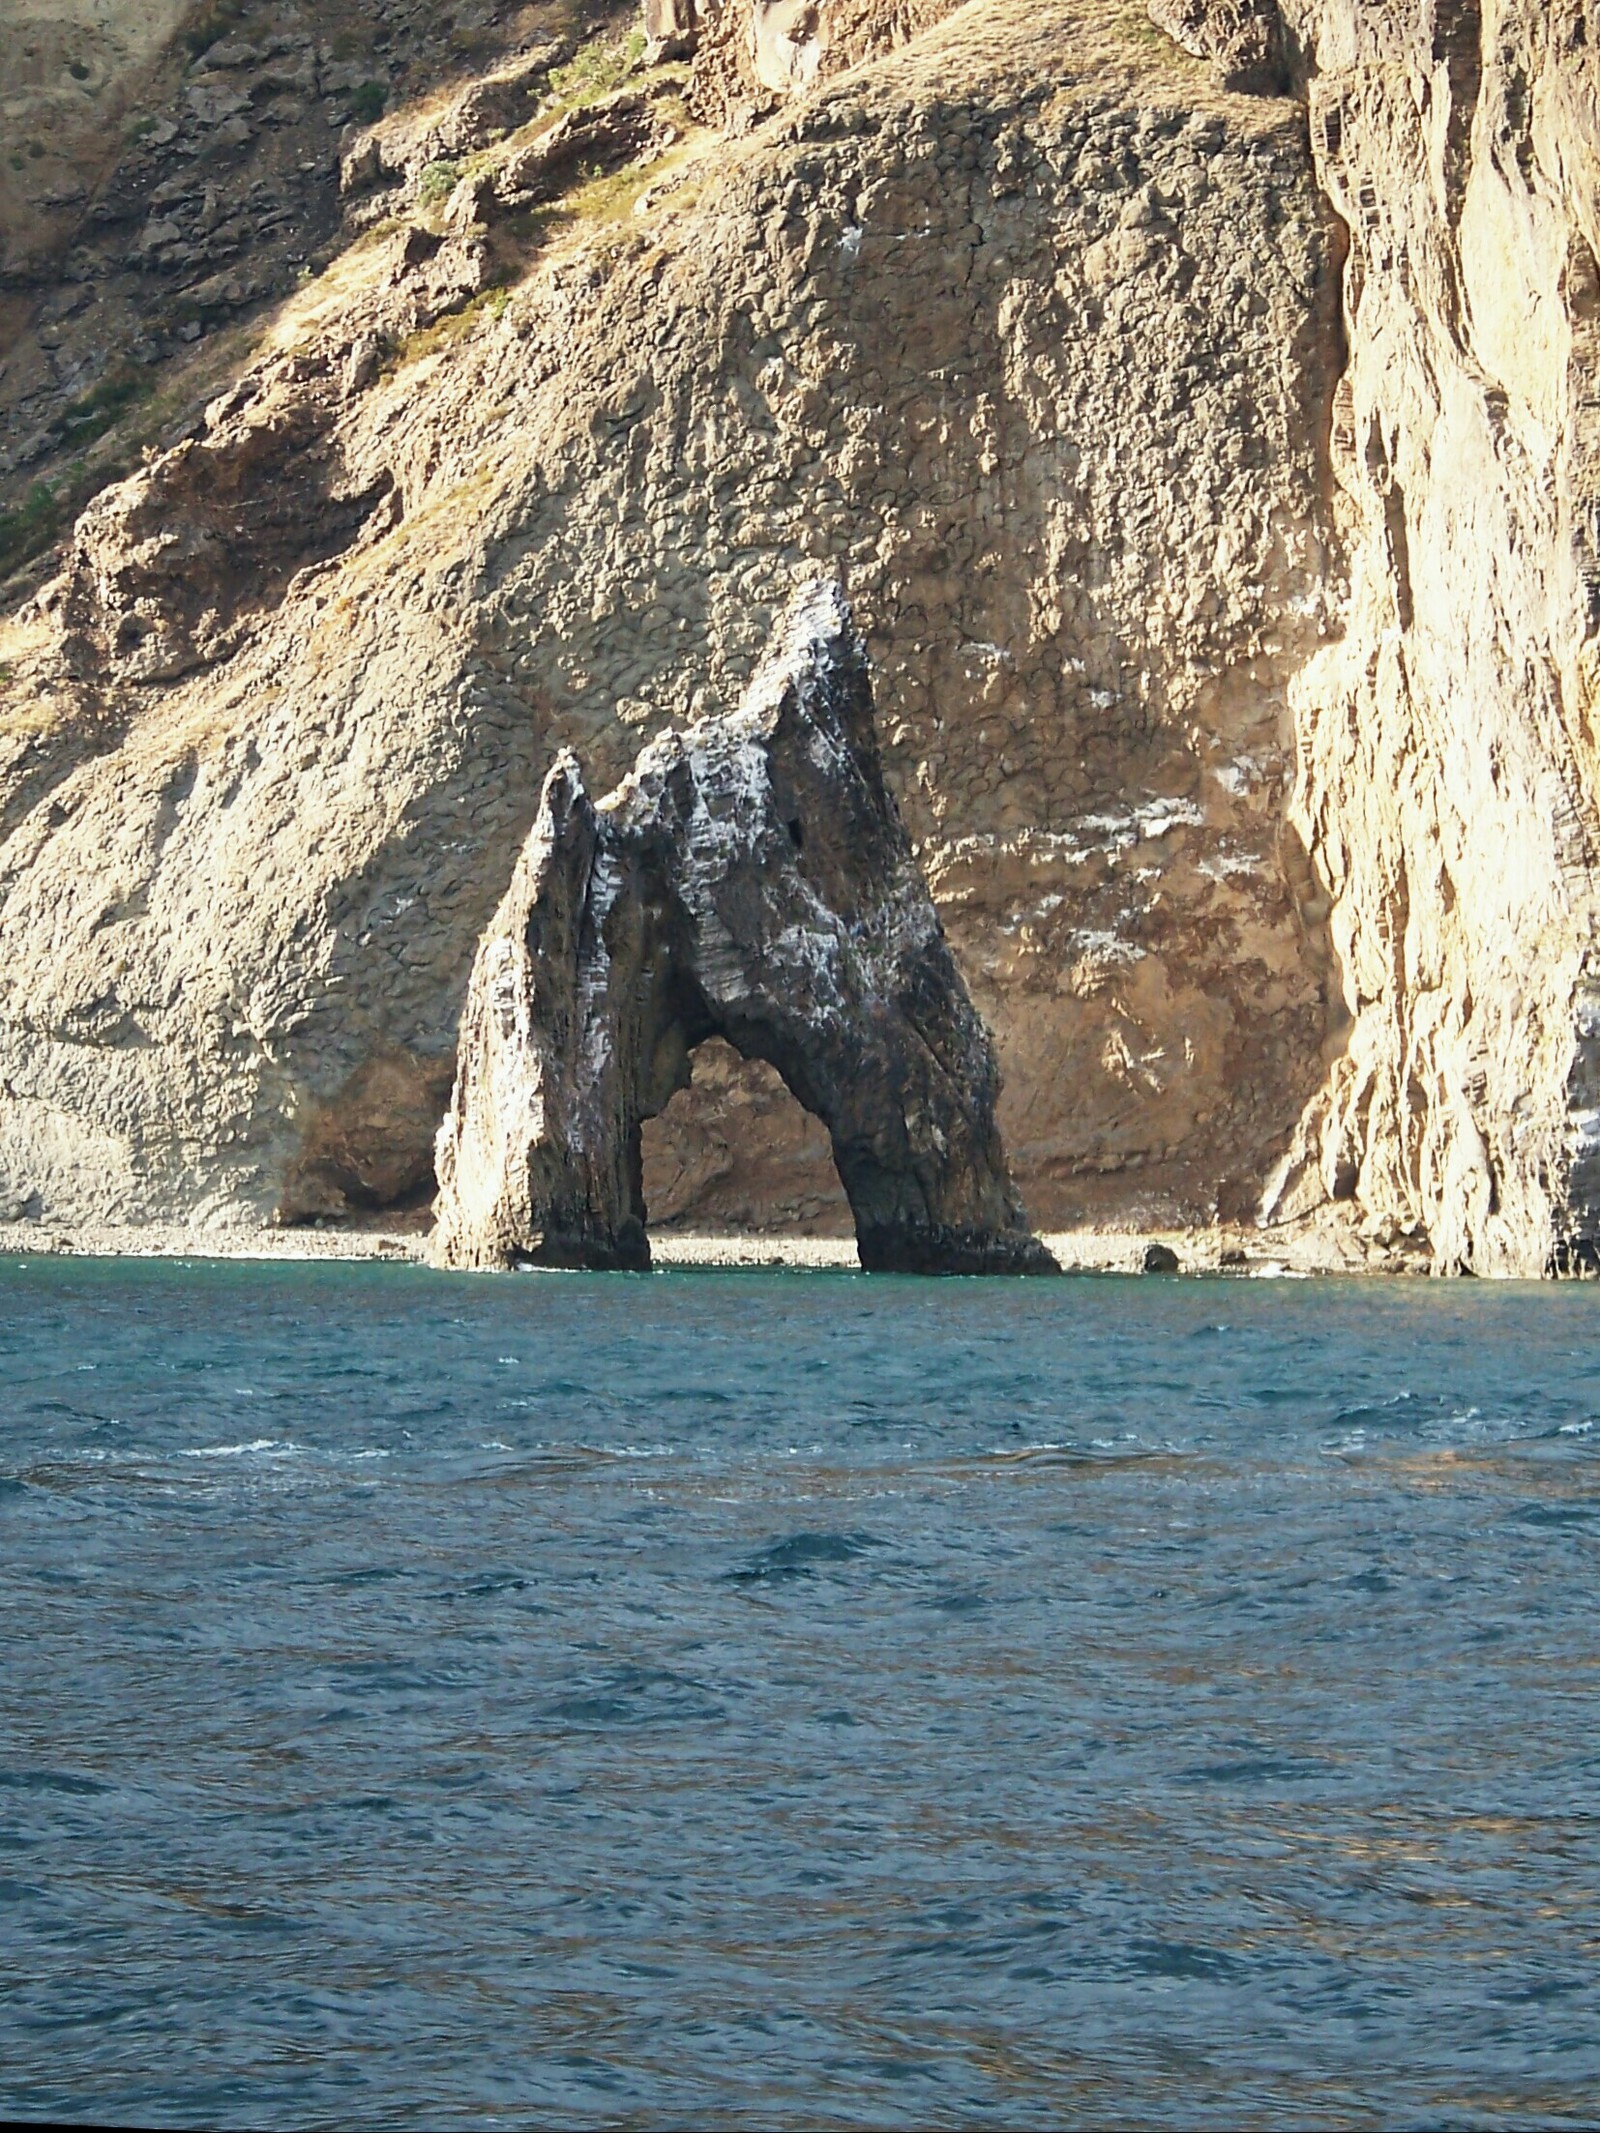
[(749, 879)]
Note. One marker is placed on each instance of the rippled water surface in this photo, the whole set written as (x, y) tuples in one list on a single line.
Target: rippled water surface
[(795, 1699)]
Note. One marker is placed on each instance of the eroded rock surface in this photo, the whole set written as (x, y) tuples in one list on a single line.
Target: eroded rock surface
[(752, 56), (749, 880), (1448, 768), (1244, 38), (1023, 327), (1214, 478)]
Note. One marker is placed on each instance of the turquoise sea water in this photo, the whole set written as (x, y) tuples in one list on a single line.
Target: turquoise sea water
[(789, 1700)]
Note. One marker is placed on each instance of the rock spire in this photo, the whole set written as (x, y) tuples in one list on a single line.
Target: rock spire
[(749, 879)]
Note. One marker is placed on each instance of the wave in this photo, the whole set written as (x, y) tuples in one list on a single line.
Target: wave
[(263, 1447)]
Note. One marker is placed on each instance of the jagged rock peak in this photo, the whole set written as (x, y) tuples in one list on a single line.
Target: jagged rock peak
[(750, 879)]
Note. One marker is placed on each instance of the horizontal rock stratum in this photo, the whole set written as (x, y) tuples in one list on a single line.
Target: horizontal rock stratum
[(1197, 402)]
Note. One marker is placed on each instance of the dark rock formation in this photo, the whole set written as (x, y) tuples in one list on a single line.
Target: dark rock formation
[(751, 880)]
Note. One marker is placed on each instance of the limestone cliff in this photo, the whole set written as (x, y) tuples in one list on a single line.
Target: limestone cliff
[(1210, 468), (1447, 774)]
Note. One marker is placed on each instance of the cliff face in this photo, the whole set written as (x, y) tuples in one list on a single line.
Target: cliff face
[(1215, 492), (1024, 326), (1447, 772)]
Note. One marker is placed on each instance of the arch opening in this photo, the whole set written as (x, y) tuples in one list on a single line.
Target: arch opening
[(736, 1152)]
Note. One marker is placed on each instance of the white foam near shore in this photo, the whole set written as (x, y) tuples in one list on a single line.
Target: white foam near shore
[(175, 1240), (1263, 1254)]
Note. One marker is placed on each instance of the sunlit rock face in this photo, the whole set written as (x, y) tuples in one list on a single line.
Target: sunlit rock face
[(750, 880), (1214, 477), (1447, 766), (1244, 38), (1045, 377)]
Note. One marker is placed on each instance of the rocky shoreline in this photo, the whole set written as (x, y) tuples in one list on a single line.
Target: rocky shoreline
[(1219, 1250)]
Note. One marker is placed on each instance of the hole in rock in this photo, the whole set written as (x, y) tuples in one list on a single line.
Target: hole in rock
[(735, 1151)]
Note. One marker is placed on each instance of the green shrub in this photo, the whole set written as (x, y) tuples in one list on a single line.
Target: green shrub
[(95, 412), (368, 100), (438, 182), (597, 68)]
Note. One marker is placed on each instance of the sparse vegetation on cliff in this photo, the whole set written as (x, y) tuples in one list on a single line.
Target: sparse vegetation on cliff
[(30, 527)]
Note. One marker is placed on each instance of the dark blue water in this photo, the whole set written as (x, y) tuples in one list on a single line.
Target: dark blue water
[(796, 1700)]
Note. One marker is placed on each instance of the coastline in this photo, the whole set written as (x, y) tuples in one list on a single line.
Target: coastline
[(1234, 1250)]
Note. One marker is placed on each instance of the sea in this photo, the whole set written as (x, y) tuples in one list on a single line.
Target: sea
[(809, 1699)]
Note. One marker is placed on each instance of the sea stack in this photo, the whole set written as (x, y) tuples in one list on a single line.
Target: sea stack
[(750, 879)]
